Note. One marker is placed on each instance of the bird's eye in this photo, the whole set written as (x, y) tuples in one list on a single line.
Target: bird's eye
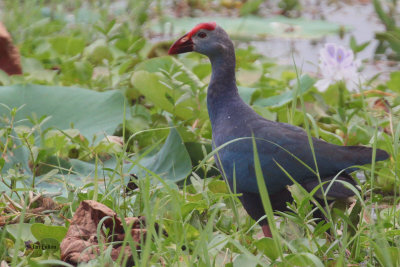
[(202, 35)]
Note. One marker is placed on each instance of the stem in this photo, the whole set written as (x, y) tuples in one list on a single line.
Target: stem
[(33, 161), (341, 109), (8, 138), (96, 178), (341, 87)]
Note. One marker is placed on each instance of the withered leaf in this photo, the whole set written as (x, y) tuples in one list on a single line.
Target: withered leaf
[(9, 55), (81, 241)]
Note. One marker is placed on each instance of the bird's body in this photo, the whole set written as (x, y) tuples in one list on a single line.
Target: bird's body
[(280, 143), (233, 121)]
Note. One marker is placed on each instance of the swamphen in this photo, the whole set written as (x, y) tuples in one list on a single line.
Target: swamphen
[(232, 118)]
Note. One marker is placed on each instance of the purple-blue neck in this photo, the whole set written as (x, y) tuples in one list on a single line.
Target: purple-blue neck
[(223, 81)]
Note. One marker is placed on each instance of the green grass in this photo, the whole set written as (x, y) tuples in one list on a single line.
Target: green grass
[(196, 221)]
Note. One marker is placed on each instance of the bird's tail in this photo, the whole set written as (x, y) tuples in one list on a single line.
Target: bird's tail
[(363, 155), (381, 155)]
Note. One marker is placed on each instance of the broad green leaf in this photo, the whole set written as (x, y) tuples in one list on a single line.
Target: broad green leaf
[(50, 244), (202, 70), (252, 27), (149, 85), (303, 259), (172, 87), (69, 46), (330, 137), (88, 111), (172, 162), (98, 51), (76, 72), (268, 247), (243, 260), (246, 93), (306, 83), (153, 87), (171, 65), (191, 206), (26, 234), (218, 186), (394, 82), (265, 112), (297, 194), (41, 231), (197, 151)]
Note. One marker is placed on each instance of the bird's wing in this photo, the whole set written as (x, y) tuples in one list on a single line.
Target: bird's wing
[(336, 189), (293, 152), (283, 149)]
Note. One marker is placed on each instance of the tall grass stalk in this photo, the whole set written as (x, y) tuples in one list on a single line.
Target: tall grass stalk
[(309, 136), (266, 200)]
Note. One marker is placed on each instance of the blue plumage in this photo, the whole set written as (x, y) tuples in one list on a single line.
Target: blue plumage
[(232, 119)]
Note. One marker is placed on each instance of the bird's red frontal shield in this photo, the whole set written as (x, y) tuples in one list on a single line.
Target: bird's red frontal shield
[(185, 43)]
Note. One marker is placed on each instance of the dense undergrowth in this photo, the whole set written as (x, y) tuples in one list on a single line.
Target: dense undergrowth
[(99, 100)]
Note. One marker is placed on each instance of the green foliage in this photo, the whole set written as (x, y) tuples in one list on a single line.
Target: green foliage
[(171, 86), (88, 111), (391, 37), (288, 6), (268, 247), (357, 47), (306, 83), (42, 231), (99, 100), (394, 82), (250, 7), (252, 27), (171, 162), (25, 234)]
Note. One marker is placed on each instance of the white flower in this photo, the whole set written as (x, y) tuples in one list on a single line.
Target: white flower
[(337, 64)]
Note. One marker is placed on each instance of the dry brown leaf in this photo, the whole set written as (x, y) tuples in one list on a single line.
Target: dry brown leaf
[(12, 211), (44, 203), (81, 241), (9, 55), (381, 104)]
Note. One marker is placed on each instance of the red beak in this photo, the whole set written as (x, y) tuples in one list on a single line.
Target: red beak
[(182, 45)]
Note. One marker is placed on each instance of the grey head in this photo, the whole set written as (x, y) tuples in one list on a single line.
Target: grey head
[(205, 38)]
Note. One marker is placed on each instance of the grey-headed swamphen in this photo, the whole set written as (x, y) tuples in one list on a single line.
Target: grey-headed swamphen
[(231, 118)]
